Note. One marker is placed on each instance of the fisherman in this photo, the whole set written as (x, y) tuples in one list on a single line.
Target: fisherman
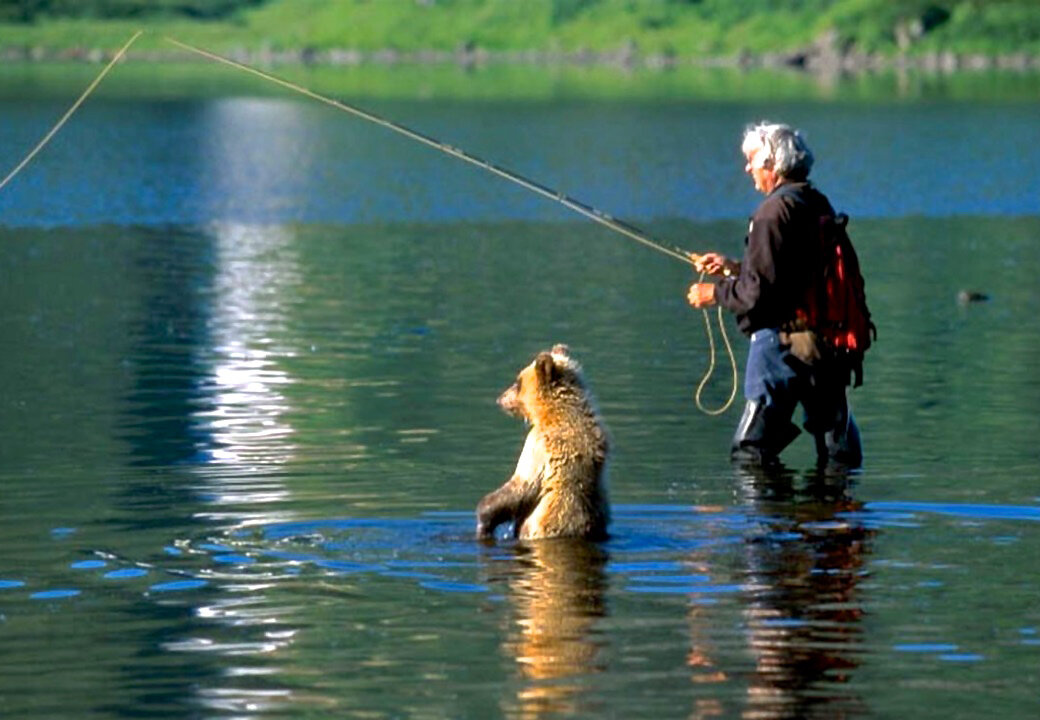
[(786, 364)]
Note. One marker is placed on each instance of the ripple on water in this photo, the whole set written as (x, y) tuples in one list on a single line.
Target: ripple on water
[(124, 573), (177, 586), (56, 594), (233, 559), (925, 647), (88, 564)]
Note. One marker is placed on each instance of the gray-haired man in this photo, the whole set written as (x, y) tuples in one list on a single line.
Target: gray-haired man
[(781, 263)]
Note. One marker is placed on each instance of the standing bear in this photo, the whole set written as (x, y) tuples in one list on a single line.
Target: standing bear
[(559, 486)]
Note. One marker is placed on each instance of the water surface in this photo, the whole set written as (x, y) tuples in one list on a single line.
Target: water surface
[(250, 355)]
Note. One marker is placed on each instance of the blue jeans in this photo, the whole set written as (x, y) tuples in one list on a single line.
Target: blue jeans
[(775, 382)]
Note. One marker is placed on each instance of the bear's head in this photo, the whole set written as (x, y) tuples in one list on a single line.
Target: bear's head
[(551, 383)]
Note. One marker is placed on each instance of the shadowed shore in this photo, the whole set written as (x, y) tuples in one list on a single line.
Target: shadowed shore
[(822, 58)]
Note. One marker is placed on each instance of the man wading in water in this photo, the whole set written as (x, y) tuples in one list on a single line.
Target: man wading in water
[(787, 363)]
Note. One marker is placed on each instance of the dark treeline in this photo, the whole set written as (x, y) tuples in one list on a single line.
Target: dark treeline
[(31, 10)]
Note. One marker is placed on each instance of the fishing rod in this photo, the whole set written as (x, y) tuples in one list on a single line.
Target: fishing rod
[(588, 211), (626, 229), (68, 113)]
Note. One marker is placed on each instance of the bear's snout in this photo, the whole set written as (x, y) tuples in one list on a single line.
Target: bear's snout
[(509, 400)]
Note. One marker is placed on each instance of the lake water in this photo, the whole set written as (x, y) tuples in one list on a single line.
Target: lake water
[(251, 348)]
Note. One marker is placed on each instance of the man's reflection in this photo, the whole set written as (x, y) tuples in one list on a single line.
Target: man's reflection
[(804, 608), (703, 657), (556, 588)]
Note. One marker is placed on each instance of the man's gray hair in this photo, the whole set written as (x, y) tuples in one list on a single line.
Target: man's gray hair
[(785, 149)]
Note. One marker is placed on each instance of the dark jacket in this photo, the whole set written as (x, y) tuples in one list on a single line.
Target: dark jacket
[(781, 257)]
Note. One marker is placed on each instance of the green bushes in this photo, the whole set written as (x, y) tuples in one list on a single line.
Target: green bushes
[(678, 28)]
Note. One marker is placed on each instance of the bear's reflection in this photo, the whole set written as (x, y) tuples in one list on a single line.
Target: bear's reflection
[(556, 589)]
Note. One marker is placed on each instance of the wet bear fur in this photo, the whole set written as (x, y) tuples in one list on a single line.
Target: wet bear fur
[(559, 486)]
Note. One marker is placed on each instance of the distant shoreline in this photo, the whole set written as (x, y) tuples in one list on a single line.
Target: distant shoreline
[(812, 60)]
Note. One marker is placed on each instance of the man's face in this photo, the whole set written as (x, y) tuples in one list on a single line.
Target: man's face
[(763, 177)]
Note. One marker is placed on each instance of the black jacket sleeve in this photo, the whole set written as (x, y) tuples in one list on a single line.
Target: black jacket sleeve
[(752, 294)]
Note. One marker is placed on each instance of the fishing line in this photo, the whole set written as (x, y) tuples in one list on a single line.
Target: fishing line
[(588, 211), (711, 364), (68, 113)]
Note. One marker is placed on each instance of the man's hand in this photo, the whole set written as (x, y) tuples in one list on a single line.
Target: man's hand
[(714, 264), (701, 295)]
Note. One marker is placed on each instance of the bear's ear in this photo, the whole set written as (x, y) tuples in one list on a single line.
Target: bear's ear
[(545, 368), (561, 349)]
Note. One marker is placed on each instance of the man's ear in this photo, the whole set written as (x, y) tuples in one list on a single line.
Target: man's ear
[(544, 368)]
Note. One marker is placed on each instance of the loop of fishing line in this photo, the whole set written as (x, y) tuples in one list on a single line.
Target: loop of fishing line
[(68, 113), (711, 363)]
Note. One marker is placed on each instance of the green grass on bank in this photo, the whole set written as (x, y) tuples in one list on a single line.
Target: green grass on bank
[(681, 28)]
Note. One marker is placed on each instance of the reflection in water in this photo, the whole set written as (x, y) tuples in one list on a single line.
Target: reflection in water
[(164, 363), (249, 441), (803, 614), (556, 588), (260, 150), (701, 659), (256, 274)]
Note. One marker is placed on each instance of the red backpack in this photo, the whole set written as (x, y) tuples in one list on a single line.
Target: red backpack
[(836, 308)]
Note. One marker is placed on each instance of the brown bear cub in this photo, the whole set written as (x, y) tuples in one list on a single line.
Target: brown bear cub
[(559, 486)]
